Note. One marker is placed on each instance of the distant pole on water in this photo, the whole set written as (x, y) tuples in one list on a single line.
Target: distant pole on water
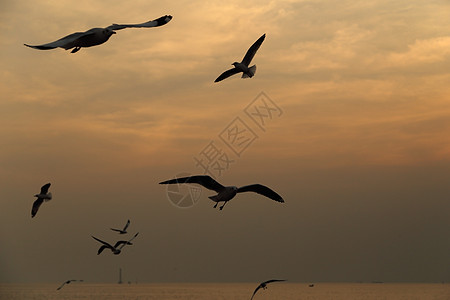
[(120, 276)]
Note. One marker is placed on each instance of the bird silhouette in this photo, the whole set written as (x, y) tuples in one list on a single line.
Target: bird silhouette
[(96, 36), (67, 282), (44, 195), (242, 66), (117, 248), (225, 193), (263, 285), (124, 230)]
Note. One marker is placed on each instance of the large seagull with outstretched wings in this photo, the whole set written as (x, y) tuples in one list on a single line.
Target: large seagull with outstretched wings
[(225, 193), (96, 36)]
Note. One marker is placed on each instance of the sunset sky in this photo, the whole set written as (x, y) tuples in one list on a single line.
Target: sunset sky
[(357, 143)]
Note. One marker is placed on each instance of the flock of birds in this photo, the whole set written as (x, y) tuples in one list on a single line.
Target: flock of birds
[(98, 36)]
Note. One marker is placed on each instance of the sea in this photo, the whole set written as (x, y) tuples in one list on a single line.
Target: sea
[(227, 291)]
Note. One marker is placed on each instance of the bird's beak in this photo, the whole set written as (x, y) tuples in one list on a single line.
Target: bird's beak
[(113, 32)]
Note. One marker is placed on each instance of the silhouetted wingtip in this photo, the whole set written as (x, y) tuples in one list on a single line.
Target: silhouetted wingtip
[(40, 47)]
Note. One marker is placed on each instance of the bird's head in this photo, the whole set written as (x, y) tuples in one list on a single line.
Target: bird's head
[(116, 251), (235, 63), (108, 32)]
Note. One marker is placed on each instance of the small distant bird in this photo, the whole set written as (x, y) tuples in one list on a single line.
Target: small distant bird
[(243, 65), (96, 36), (225, 193), (44, 195), (67, 282), (124, 230), (263, 285), (117, 247)]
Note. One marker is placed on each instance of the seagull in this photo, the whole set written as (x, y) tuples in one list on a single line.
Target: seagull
[(96, 36), (124, 230), (243, 65), (67, 282), (225, 193), (263, 285), (44, 195), (117, 247)]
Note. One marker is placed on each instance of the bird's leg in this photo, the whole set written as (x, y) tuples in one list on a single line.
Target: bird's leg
[(225, 202), (215, 205), (75, 50)]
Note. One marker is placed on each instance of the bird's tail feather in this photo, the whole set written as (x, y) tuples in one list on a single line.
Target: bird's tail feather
[(49, 195), (252, 71)]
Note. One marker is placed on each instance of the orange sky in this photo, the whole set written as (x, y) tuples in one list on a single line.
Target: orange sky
[(361, 151)]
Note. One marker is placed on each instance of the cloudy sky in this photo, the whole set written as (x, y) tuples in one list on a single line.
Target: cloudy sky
[(347, 117)]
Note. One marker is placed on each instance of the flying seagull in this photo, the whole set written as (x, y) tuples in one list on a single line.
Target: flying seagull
[(96, 36), (124, 230), (44, 195), (243, 65), (225, 193), (67, 282), (263, 285), (117, 247)]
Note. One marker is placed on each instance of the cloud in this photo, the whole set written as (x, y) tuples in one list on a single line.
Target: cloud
[(422, 52)]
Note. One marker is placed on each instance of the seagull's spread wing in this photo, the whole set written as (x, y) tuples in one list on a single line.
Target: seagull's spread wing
[(126, 225), (227, 74), (67, 282), (118, 230), (259, 286), (103, 242), (262, 190), (204, 180), (123, 243), (128, 242), (36, 206), (153, 23), (273, 280), (62, 285), (100, 250), (66, 42), (44, 188), (252, 50), (263, 284)]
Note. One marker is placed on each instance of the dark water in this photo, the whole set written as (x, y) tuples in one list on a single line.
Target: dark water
[(228, 291)]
